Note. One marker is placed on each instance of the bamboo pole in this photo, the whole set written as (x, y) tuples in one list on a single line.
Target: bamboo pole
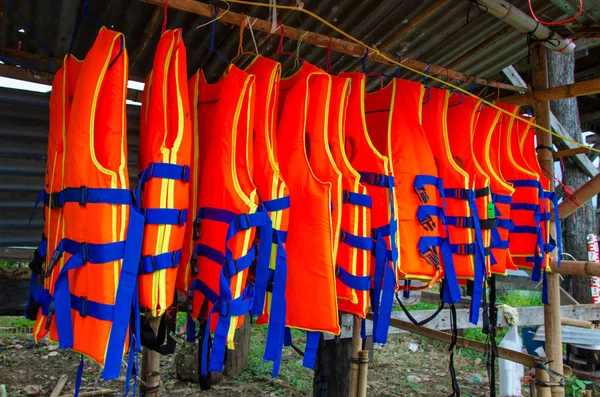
[(570, 152), (321, 40), (552, 309), (576, 323), (588, 87), (354, 356), (576, 268), (150, 373), (363, 372), (585, 192)]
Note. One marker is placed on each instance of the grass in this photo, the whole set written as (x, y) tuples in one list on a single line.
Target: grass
[(15, 322)]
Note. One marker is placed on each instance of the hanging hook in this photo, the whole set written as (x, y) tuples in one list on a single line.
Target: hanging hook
[(165, 9), (84, 12), (328, 64), (473, 84), (460, 96), (364, 61), (425, 73), (298, 44)]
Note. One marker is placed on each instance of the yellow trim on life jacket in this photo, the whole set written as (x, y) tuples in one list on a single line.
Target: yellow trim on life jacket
[(488, 143)]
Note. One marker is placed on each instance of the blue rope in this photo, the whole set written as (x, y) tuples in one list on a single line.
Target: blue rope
[(364, 61), (211, 48), (84, 12), (16, 9)]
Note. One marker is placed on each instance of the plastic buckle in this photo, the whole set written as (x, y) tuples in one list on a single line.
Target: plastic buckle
[(422, 193), (428, 224), (246, 218), (194, 262), (431, 257), (150, 174), (346, 196), (56, 255), (337, 271), (85, 253), (182, 217), (342, 236), (152, 264), (226, 270), (84, 307), (83, 195), (221, 302), (53, 201), (196, 226), (50, 314), (174, 261), (185, 173)]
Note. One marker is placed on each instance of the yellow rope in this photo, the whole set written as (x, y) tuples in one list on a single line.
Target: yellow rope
[(374, 50)]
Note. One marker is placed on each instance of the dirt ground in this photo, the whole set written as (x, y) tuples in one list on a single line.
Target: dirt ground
[(28, 369)]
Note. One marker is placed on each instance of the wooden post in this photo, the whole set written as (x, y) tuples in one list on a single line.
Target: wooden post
[(363, 371), (236, 359), (150, 373), (552, 309), (356, 346)]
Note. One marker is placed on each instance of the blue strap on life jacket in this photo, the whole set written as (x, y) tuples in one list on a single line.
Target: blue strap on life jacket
[(554, 198), (42, 197), (98, 254), (501, 199), (354, 241), (312, 346), (168, 260), (165, 216), (451, 287), (385, 273), (360, 283), (84, 195), (37, 293), (420, 183), (425, 214), (277, 204), (223, 302), (362, 200)]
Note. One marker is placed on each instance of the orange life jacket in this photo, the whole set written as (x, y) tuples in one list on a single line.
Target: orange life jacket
[(526, 237), (164, 165), (486, 141), (228, 214), (354, 252), (42, 285), (394, 120), (315, 190), (527, 145), (95, 291), (462, 216), (274, 195), (367, 156)]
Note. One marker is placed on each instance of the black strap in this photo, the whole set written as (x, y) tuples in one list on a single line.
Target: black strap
[(205, 382), (484, 191), (493, 352), (321, 371), (428, 319), (156, 340), (454, 326), (37, 263)]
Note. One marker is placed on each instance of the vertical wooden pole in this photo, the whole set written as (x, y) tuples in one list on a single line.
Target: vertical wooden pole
[(356, 345), (552, 310), (363, 357), (150, 373)]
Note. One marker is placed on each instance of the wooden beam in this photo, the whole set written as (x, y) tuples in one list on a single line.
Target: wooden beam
[(552, 309), (321, 40), (584, 193), (582, 88), (576, 268), (581, 160), (35, 76), (569, 152)]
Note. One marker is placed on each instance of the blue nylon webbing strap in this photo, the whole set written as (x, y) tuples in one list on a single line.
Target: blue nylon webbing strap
[(524, 207), (86, 195), (451, 287), (223, 302), (354, 241), (425, 212), (526, 183), (164, 171), (422, 180), (525, 230), (501, 199), (360, 283), (37, 293), (78, 377), (97, 310), (41, 197), (165, 216), (310, 352), (554, 198), (505, 224), (230, 266), (129, 251), (276, 329), (278, 204), (167, 260), (362, 200)]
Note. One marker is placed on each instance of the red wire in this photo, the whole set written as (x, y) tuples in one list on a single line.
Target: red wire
[(328, 66), (557, 22)]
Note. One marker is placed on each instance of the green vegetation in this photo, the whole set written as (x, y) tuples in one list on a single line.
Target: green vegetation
[(520, 298), (575, 386), (15, 322)]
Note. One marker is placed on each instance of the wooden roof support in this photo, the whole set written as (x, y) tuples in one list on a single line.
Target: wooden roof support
[(153, 23), (320, 40), (585, 192), (582, 88), (569, 152), (576, 268)]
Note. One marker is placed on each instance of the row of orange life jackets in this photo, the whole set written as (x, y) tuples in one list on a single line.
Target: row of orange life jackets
[(290, 199)]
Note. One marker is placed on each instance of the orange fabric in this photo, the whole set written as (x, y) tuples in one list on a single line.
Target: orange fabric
[(365, 155), (225, 181), (96, 157), (463, 114), (394, 119), (63, 88), (165, 137), (355, 219), (514, 167), (203, 100), (486, 141), (435, 111), (527, 145), (314, 184), (267, 175)]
